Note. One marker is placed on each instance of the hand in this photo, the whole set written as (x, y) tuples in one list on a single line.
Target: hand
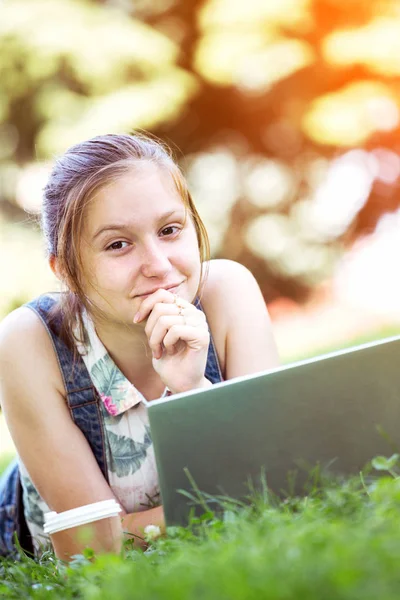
[(178, 337)]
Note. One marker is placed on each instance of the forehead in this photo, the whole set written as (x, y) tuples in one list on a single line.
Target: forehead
[(144, 189)]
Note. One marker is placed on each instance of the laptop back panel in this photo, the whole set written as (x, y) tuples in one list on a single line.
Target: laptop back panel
[(340, 410)]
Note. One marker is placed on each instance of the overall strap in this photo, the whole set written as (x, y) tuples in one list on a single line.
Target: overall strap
[(213, 370), (83, 401)]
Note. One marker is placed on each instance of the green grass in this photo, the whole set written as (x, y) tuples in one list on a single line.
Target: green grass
[(369, 336), (340, 541)]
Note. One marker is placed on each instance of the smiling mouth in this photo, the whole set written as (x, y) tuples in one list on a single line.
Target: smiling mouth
[(169, 288)]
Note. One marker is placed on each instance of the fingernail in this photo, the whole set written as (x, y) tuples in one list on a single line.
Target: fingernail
[(136, 318)]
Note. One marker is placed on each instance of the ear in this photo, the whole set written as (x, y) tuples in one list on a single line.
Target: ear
[(53, 262), (55, 267)]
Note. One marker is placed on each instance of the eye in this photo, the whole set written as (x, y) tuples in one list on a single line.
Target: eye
[(118, 245), (170, 230)]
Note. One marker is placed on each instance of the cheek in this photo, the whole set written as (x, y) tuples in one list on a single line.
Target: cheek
[(191, 258), (113, 274), (89, 268), (192, 245), (101, 274)]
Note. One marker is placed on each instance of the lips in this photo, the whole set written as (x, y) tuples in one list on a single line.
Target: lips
[(171, 288)]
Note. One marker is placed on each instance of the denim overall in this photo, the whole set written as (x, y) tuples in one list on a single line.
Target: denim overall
[(84, 405)]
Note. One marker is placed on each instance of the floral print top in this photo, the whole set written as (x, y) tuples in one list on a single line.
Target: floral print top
[(130, 457)]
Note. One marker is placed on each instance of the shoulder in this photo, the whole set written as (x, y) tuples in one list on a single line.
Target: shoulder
[(228, 282), (238, 319), (25, 325), (229, 290), (20, 326), (26, 350), (226, 268)]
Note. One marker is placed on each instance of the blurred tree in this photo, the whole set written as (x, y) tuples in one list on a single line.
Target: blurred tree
[(286, 111)]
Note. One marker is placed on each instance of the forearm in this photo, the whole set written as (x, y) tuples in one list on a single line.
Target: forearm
[(107, 535), (101, 536)]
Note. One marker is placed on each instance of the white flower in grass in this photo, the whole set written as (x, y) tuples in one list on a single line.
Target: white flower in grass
[(151, 532)]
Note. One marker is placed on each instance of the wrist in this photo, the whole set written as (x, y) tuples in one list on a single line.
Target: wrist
[(203, 383)]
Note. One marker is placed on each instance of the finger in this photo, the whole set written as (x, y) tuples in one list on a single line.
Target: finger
[(157, 329), (182, 302), (191, 314), (195, 337), (159, 310), (159, 332), (149, 302)]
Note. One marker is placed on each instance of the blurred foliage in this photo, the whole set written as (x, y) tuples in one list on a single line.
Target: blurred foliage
[(264, 99), (24, 272)]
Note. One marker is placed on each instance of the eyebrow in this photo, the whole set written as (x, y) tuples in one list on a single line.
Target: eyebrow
[(126, 226)]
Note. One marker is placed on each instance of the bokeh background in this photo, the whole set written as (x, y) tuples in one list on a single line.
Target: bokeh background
[(285, 117)]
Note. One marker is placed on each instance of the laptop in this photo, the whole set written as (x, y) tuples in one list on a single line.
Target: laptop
[(337, 410)]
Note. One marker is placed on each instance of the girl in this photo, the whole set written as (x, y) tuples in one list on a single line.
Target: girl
[(145, 313)]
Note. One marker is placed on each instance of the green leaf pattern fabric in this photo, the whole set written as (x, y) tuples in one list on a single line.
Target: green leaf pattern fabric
[(116, 392), (130, 458), (35, 510), (126, 455), (35, 507)]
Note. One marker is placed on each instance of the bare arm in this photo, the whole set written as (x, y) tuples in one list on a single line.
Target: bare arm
[(53, 449), (239, 320)]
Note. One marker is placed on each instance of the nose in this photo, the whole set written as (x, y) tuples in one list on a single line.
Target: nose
[(154, 260)]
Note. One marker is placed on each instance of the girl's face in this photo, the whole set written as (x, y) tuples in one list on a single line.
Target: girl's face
[(138, 238)]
